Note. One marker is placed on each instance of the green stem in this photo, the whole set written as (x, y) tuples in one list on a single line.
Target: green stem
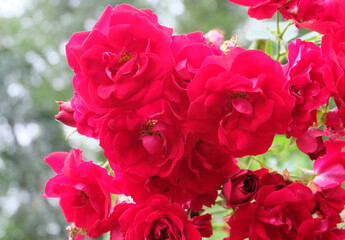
[(262, 164), (106, 164), (286, 28), (278, 37)]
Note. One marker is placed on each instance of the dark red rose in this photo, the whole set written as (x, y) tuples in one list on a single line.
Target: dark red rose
[(242, 186)]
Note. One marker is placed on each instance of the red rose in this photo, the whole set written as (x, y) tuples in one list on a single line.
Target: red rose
[(323, 16), (260, 9), (238, 101), (242, 186), (307, 76), (275, 214), (155, 219), (122, 61), (84, 189)]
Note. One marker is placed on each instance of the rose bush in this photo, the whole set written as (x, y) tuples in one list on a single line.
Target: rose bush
[(172, 112)]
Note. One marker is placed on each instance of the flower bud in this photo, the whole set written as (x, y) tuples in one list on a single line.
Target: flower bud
[(65, 114)]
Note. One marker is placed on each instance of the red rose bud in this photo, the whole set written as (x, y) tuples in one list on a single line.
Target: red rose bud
[(66, 114), (242, 187)]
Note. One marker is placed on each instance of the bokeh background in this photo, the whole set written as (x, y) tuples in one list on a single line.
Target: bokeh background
[(34, 74)]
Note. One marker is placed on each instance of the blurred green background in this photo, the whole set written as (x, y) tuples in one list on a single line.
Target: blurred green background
[(34, 74)]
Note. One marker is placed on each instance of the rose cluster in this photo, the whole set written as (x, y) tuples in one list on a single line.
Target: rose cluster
[(172, 112)]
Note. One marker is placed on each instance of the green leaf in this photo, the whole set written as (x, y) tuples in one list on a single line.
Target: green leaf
[(268, 49), (276, 148)]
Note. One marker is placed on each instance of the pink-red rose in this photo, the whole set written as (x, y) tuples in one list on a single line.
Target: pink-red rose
[(311, 143), (333, 48), (122, 61), (323, 16), (330, 169), (307, 76), (88, 123), (84, 189), (238, 101), (202, 170), (146, 142), (189, 52)]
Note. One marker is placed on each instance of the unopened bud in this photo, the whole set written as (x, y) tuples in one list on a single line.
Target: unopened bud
[(66, 114)]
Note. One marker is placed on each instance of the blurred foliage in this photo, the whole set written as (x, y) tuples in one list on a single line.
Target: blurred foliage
[(34, 74)]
